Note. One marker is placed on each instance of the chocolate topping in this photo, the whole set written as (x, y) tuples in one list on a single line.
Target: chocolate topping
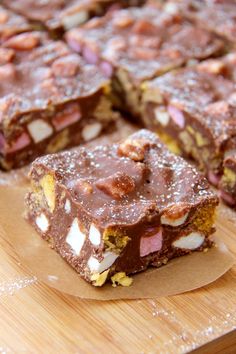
[(48, 74), (121, 192), (129, 38)]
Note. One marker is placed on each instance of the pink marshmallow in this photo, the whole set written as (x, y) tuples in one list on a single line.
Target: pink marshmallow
[(89, 55), (177, 116), (106, 68), (69, 116), (213, 178), (150, 244), (227, 198), (22, 141), (73, 43)]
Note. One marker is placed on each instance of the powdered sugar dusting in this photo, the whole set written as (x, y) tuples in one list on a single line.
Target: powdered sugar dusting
[(10, 287), (181, 335)]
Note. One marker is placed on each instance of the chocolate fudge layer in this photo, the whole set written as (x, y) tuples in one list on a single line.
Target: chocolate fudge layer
[(138, 44), (11, 24), (60, 15), (194, 110), (216, 15), (114, 210), (50, 99)]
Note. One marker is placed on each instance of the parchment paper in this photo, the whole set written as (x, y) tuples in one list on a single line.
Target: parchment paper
[(178, 276)]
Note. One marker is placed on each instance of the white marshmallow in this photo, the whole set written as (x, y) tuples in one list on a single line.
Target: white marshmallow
[(75, 19), (75, 237), (94, 235), (96, 267), (91, 131), (189, 242), (39, 130), (67, 206), (162, 116), (173, 222), (42, 222)]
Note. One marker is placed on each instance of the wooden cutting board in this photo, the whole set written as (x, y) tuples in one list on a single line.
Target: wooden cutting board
[(37, 319)]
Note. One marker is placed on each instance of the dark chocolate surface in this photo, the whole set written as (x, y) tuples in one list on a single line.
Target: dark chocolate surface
[(47, 74), (11, 23), (130, 38), (118, 186), (218, 16)]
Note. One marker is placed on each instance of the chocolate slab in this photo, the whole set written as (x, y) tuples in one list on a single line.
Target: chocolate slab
[(194, 110), (117, 209), (59, 15), (217, 16), (11, 24), (138, 44), (49, 99)]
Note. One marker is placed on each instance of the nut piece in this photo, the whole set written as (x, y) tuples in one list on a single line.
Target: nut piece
[(162, 116), (48, 185), (99, 279), (75, 237), (189, 242), (23, 41), (42, 222), (176, 215), (74, 19), (98, 267), (39, 130), (121, 279), (66, 66), (94, 235), (117, 185), (91, 131), (135, 149)]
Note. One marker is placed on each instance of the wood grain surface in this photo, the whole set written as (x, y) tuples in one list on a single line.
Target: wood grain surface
[(36, 319)]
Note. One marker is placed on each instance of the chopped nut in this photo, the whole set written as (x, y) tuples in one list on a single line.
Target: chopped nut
[(121, 279), (176, 215), (144, 27), (48, 185), (212, 66), (84, 186), (123, 20), (75, 19), (23, 41), (66, 66), (99, 279), (117, 185), (135, 149)]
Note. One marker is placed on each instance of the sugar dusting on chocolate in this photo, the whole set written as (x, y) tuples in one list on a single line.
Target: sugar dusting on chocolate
[(168, 180)]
